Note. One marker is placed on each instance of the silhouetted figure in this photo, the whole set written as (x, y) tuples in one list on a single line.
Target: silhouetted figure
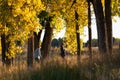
[(62, 53)]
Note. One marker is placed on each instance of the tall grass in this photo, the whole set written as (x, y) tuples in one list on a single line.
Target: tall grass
[(50, 69), (59, 71), (70, 68)]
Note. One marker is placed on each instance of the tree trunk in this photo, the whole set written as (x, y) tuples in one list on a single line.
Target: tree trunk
[(98, 9), (5, 46), (90, 39), (30, 51), (108, 24), (46, 44), (77, 34), (109, 35), (37, 39), (89, 29)]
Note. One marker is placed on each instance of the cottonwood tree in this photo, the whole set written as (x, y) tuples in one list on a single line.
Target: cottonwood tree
[(101, 28), (108, 22), (17, 20), (52, 20), (30, 49), (76, 18), (77, 29), (89, 29), (46, 44), (115, 6)]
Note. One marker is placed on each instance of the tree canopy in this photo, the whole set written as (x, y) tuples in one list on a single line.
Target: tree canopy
[(17, 19)]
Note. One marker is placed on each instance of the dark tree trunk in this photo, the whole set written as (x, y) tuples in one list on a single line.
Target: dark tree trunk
[(8, 60), (5, 45), (46, 44), (30, 51), (90, 38), (108, 21), (3, 48), (108, 24), (77, 35), (89, 29), (98, 9), (37, 39)]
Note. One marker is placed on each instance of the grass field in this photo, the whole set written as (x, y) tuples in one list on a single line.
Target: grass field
[(70, 68)]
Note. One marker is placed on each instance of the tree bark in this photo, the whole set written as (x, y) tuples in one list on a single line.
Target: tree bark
[(5, 45), (77, 34), (46, 44), (37, 39), (89, 29), (108, 24), (101, 29), (90, 39), (108, 21), (3, 48), (30, 51)]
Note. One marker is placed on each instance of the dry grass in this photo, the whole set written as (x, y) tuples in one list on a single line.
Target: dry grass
[(56, 68)]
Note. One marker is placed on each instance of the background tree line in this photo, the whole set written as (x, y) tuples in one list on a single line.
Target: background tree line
[(94, 42)]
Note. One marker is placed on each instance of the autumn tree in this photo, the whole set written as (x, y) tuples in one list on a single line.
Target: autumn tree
[(37, 37), (51, 21), (76, 19), (46, 44), (101, 28), (30, 50), (77, 29), (15, 25), (105, 21), (77, 35), (108, 22), (115, 6), (89, 29), (43, 15), (62, 10)]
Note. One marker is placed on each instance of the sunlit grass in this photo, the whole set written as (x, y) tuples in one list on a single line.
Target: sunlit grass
[(52, 69), (70, 68)]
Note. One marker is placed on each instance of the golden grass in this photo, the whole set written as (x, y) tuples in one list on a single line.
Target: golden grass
[(53, 65)]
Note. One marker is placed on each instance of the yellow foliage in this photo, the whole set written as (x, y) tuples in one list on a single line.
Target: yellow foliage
[(17, 19), (69, 13)]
